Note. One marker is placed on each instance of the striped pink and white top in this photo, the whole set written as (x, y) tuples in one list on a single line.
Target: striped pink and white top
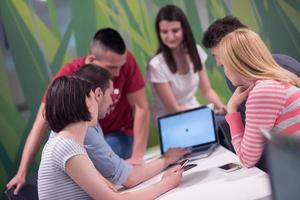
[(271, 105)]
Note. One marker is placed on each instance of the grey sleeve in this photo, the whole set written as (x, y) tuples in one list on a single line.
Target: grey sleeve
[(64, 150), (288, 63), (110, 165)]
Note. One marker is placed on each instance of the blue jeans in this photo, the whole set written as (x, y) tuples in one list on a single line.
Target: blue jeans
[(120, 143)]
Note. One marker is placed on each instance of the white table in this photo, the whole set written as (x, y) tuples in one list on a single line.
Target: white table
[(206, 181)]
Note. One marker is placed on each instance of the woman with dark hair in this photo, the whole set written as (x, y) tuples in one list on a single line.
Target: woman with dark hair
[(65, 171), (177, 69)]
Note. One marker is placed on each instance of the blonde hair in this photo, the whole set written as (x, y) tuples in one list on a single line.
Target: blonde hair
[(244, 51)]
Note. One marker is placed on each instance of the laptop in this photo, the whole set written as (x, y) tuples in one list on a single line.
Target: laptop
[(193, 129), (283, 163)]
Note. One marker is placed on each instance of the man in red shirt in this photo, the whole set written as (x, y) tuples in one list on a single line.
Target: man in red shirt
[(127, 123)]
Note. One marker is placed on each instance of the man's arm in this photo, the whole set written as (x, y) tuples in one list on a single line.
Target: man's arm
[(141, 112), (209, 93), (32, 145), (143, 172), (119, 172), (109, 164)]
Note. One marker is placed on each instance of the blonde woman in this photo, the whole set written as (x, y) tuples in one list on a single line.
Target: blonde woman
[(273, 93)]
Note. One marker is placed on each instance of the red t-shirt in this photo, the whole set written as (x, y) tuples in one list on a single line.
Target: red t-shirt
[(130, 80)]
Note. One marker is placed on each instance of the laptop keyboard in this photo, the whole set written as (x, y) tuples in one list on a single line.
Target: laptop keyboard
[(200, 149)]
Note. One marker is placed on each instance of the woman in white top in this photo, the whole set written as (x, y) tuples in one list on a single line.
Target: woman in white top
[(177, 70), (65, 171)]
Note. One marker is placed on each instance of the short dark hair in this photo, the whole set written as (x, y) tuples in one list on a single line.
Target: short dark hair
[(66, 102), (99, 76), (111, 39), (174, 13), (219, 29)]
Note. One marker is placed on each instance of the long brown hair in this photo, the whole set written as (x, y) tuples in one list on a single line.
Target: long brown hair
[(173, 13)]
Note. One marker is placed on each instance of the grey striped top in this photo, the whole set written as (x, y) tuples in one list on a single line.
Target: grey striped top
[(53, 182)]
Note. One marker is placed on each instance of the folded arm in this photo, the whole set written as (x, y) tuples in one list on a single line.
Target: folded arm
[(262, 110)]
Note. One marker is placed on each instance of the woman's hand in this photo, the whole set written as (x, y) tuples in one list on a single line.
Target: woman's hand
[(172, 177), (239, 96), (222, 110), (174, 154), (18, 181)]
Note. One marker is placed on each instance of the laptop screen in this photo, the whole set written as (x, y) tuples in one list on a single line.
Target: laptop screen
[(191, 128)]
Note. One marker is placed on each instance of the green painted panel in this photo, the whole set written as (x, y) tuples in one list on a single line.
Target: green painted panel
[(43, 36), (291, 12), (287, 31), (53, 18), (102, 17), (192, 15), (4, 175), (27, 55), (6, 161), (215, 9), (12, 126), (161, 3), (244, 11), (4, 87), (61, 56), (84, 23)]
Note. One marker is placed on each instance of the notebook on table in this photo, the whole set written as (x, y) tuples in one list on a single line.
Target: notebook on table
[(193, 129)]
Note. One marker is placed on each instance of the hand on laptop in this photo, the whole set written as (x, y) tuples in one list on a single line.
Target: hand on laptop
[(174, 154), (221, 110)]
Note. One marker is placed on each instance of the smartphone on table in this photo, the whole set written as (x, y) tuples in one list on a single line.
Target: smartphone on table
[(230, 167), (184, 162), (185, 166)]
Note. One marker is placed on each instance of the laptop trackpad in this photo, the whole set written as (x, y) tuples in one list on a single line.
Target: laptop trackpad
[(201, 152)]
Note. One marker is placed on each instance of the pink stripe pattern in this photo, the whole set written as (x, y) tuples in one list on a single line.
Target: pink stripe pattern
[(271, 105)]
